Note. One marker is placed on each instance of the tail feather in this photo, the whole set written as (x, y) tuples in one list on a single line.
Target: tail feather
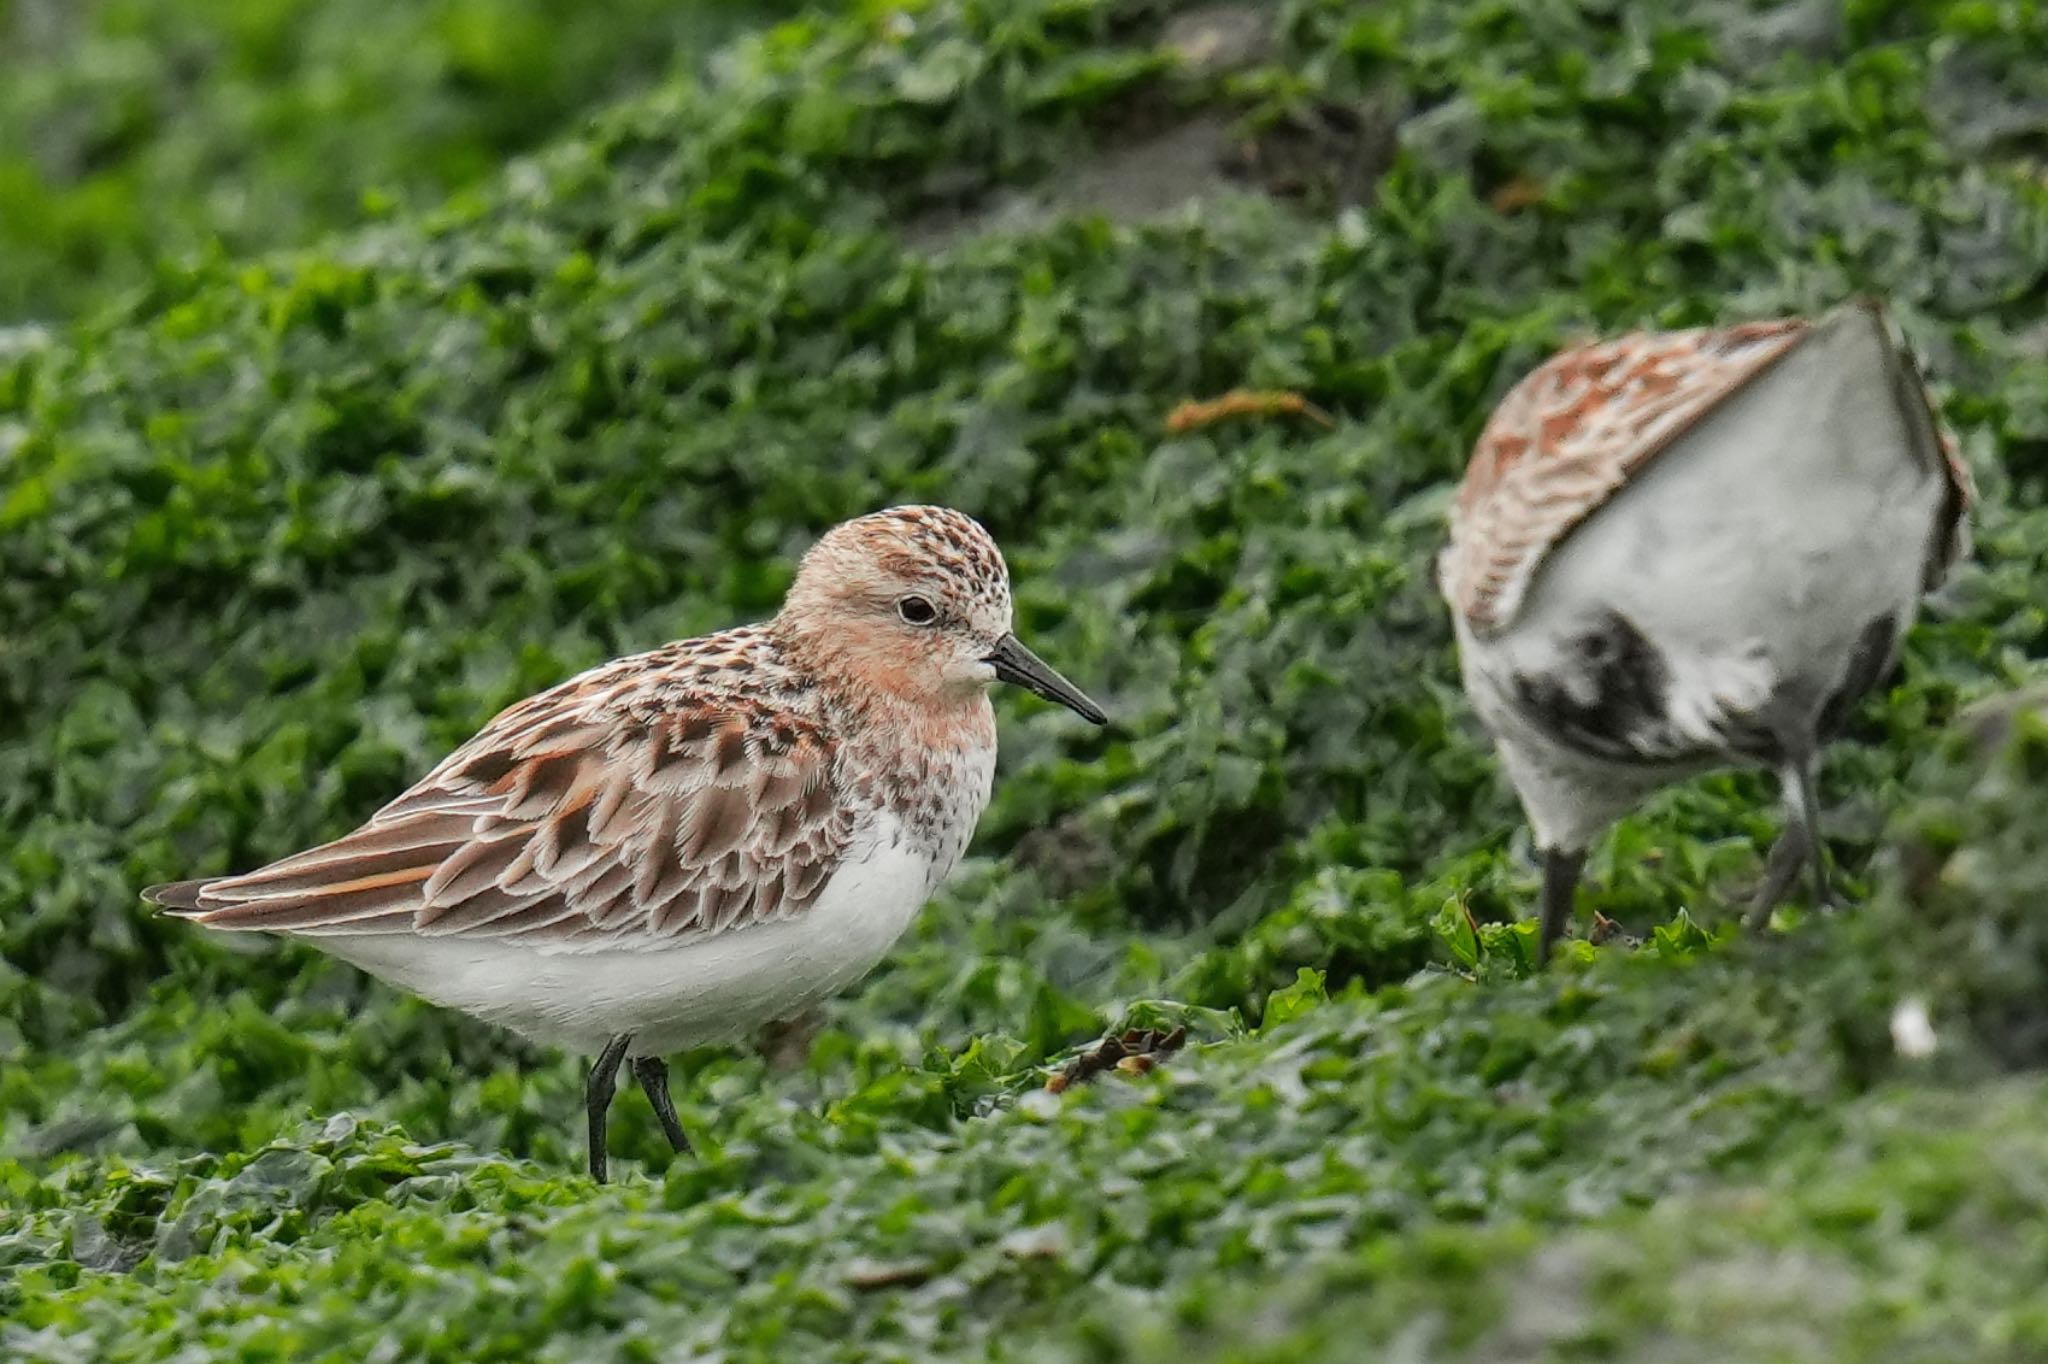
[(179, 897)]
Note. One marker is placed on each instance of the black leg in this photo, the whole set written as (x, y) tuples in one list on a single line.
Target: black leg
[(1781, 869), (1798, 848), (597, 1098), (652, 1073), (1560, 884), (1804, 781)]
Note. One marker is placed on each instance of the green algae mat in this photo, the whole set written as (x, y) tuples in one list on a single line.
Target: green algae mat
[(136, 132), (278, 529)]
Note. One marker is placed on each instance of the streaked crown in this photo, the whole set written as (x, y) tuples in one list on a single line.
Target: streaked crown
[(945, 554)]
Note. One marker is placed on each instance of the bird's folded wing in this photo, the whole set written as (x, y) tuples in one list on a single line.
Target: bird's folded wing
[(572, 824), (1571, 434), (1922, 413)]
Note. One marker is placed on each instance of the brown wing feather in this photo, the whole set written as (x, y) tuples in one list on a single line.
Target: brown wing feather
[(573, 819)]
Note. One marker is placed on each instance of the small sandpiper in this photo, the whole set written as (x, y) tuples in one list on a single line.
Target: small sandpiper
[(1682, 550), (676, 847)]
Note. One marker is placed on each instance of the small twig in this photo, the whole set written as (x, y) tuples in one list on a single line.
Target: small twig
[(1606, 930), (1244, 402), (1133, 1052), (1517, 194), (873, 1274)]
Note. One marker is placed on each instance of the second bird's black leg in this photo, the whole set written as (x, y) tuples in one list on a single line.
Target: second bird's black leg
[(597, 1098), (652, 1073), (1560, 884), (1798, 848), (1804, 779), (1781, 869)]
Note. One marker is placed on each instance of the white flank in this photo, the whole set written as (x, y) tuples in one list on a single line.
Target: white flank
[(671, 994)]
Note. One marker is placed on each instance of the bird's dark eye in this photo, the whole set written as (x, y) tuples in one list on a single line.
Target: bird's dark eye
[(916, 610)]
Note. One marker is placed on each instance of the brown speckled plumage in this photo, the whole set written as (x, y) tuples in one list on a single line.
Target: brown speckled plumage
[(698, 787)]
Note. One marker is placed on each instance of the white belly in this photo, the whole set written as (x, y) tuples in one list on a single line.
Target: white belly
[(670, 995)]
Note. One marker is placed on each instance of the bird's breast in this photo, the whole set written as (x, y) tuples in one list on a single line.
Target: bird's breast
[(933, 789)]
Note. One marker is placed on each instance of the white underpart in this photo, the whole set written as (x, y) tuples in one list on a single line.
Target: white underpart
[(1752, 553), (670, 994)]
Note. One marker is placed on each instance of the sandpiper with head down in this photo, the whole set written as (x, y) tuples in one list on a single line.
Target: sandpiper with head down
[(676, 847), (1681, 550)]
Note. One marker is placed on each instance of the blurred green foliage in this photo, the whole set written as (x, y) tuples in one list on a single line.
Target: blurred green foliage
[(277, 533), (135, 132)]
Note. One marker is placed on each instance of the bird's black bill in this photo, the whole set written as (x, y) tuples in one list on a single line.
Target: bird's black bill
[(1015, 663)]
